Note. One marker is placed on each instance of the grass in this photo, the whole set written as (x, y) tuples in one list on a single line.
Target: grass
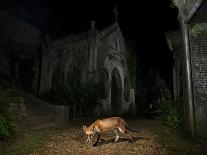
[(25, 143), (177, 142)]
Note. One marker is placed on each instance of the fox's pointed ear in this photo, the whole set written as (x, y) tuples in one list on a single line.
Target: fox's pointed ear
[(84, 128)]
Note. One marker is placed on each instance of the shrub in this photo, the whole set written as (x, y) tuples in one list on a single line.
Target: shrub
[(4, 132), (60, 95), (12, 112), (168, 113), (83, 95), (89, 94)]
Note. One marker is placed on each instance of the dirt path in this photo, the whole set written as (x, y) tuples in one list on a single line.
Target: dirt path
[(153, 139)]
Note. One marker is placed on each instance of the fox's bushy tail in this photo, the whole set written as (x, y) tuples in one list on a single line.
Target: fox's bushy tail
[(131, 129)]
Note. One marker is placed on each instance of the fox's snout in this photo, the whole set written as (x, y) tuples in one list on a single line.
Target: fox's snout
[(88, 140)]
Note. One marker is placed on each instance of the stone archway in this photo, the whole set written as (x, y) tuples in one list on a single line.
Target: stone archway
[(116, 92), (103, 85), (126, 89)]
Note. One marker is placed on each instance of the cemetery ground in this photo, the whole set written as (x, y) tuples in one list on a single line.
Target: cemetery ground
[(154, 138)]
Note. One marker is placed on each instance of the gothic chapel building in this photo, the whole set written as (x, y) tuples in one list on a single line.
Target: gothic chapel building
[(97, 55)]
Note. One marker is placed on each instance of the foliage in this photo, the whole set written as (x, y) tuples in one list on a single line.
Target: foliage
[(29, 142), (176, 141), (11, 112), (70, 93), (197, 28), (3, 126), (59, 95), (168, 113), (90, 92), (7, 126)]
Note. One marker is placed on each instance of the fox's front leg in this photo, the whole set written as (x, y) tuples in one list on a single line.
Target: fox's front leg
[(97, 141), (117, 135)]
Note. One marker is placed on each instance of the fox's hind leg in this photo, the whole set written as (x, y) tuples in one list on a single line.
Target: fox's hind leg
[(126, 132)]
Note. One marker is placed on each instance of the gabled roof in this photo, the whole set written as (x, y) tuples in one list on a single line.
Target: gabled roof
[(101, 34), (109, 30)]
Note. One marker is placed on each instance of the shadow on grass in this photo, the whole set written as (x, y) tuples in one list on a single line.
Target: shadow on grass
[(108, 141)]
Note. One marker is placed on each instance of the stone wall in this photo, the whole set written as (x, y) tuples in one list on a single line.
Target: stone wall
[(62, 62), (198, 40)]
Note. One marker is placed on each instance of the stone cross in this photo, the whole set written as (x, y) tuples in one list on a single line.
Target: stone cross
[(115, 11), (93, 25)]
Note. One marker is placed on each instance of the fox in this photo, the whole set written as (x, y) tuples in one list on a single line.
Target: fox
[(102, 125)]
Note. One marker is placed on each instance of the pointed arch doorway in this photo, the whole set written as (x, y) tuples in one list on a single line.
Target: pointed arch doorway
[(116, 92)]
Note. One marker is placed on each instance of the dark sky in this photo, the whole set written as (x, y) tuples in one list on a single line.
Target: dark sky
[(144, 21), (149, 16)]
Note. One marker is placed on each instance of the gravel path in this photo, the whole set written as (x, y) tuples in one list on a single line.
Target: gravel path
[(68, 139), (71, 141)]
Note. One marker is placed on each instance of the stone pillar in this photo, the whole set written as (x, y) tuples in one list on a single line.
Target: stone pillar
[(190, 106), (90, 59), (42, 72), (95, 59)]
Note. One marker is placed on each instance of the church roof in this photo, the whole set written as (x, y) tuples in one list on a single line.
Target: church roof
[(101, 34)]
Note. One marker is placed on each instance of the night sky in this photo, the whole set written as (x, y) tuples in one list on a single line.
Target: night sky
[(145, 22)]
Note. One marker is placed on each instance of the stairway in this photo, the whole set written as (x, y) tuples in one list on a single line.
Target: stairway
[(40, 114)]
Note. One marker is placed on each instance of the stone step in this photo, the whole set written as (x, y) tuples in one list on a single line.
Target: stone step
[(36, 121), (40, 113)]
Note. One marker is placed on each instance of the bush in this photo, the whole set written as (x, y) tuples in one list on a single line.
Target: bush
[(168, 113), (12, 112), (4, 132), (7, 127), (89, 95), (82, 96), (60, 95)]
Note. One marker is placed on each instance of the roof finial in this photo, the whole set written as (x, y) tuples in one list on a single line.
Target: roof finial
[(115, 11)]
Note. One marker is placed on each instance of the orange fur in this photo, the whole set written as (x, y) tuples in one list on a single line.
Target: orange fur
[(112, 123)]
